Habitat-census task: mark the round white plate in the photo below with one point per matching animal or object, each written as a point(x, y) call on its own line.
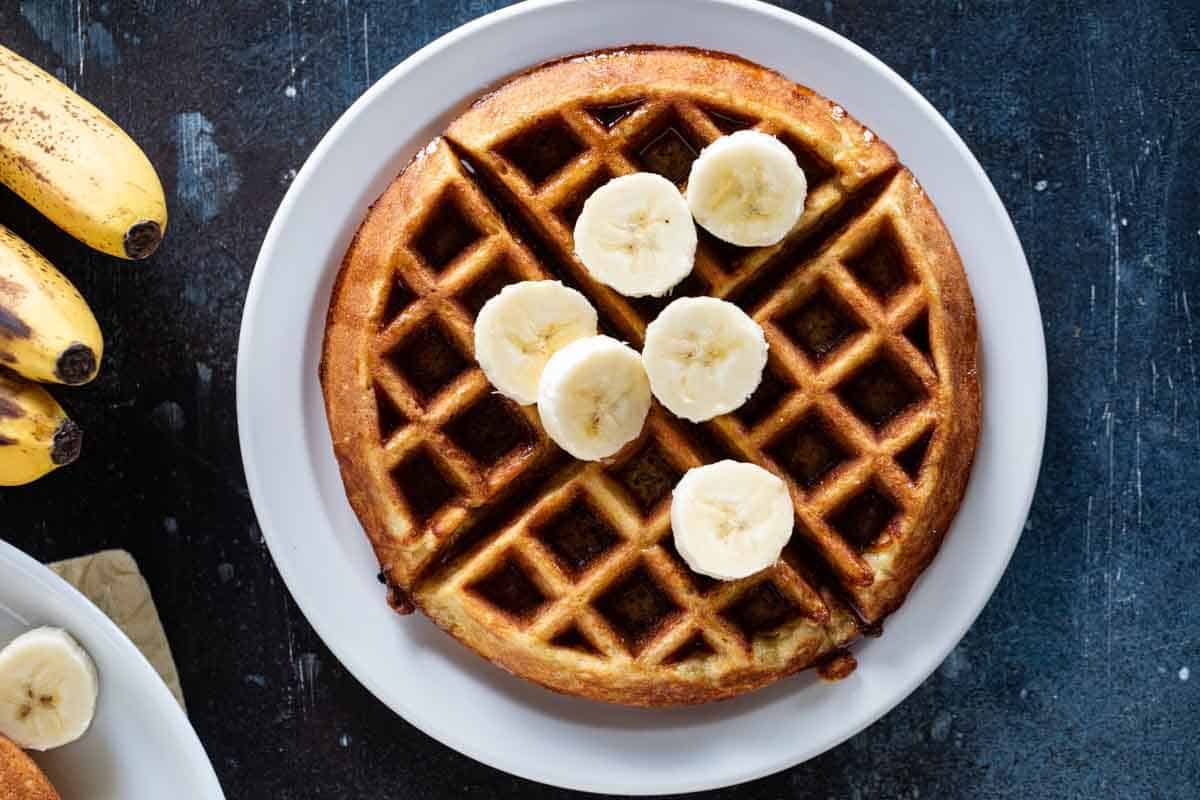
point(435, 683)
point(140, 746)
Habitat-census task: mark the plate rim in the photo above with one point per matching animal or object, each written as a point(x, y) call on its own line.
point(97, 623)
point(1038, 377)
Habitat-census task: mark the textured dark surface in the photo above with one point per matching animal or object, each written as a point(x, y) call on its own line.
point(1075, 681)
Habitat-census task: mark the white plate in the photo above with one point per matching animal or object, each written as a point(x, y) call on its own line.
point(140, 746)
point(435, 683)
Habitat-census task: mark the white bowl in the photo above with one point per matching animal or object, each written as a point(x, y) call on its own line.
point(140, 746)
point(435, 683)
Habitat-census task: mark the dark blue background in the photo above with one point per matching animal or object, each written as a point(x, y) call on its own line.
point(1074, 682)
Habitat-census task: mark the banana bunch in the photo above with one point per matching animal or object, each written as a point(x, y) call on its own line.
point(47, 333)
point(65, 158)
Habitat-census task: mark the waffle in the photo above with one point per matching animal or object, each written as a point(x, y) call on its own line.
point(564, 572)
point(20, 778)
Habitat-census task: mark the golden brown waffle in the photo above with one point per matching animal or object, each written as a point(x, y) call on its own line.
point(564, 572)
point(20, 778)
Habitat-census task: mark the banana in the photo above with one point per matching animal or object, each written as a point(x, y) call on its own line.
point(48, 689)
point(72, 163)
point(518, 330)
point(636, 234)
point(747, 188)
point(36, 437)
point(593, 397)
point(704, 356)
point(47, 331)
point(730, 519)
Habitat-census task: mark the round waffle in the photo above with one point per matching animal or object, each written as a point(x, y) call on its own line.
point(564, 572)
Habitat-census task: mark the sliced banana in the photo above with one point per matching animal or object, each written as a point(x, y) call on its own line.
point(636, 234)
point(704, 356)
point(594, 397)
point(518, 330)
point(48, 689)
point(730, 519)
point(747, 188)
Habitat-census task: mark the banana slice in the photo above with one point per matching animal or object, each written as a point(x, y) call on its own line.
point(747, 188)
point(518, 330)
point(730, 519)
point(48, 689)
point(636, 234)
point(704, 356)
point(594, 397)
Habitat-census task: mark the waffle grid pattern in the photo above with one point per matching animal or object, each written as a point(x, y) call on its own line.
point(583, 564)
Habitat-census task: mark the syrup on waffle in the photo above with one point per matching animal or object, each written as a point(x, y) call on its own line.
point(564, 572)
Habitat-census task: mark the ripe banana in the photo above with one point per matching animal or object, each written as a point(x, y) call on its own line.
point(72, 163)
point(747, 188)
point(636, 234)
point(48, 689)
point(593, 397)
point(518, 330)
point(36, 437)
point(704, 356)
point(47, 331)
point(730, 519)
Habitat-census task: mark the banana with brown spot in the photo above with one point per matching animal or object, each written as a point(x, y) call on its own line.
point(36, 437)
point(75, 165)
point(47, 331)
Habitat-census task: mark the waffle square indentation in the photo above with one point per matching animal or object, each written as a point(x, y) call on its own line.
point(578, 537)
point(917, 333)
point(669, 151)
point(766, 398)
point(399, 297)
point(446, 234)
point(390, 418)
point(882, 267)
point(760, 610)
point(427, 359)
point(574, 639)
point(700, 583)
point(423, 485)
point(912, 458)
point(637, 609)
point(727, 121)
point(728, 256)
point(648, 476)
point(696, 648)
point(542, 151)
point(862, 519)
point(488, 285)
point(609, 116)
point(881, 391)
point(491, 429)
point(809, 451)
point(816, 169)
point(511, 590)
point(821, 324)
point(569, 212)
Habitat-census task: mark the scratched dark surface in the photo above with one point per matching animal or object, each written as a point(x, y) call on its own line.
point(1075, 681)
